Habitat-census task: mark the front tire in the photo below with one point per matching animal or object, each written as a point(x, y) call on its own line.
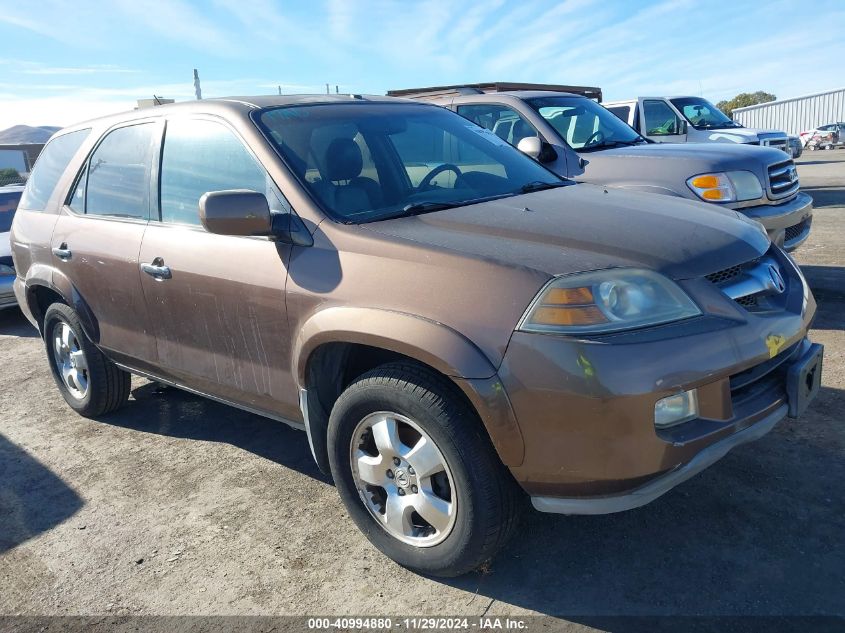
point(89, 382)
point(417, 473)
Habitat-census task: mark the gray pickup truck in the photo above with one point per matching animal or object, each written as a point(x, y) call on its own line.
point(577, 138)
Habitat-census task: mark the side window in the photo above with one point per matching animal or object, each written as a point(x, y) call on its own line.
point(504, 122)
point(201, 156)
point(660, 119)
point(49, 167)
point(622, 112)
point(118, 178)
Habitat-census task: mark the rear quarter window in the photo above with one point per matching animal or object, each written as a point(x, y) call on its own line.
point(49, 167)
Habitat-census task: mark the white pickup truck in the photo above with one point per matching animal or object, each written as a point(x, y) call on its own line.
point(690, 120)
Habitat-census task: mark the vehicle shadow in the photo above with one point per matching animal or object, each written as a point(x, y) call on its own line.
point(14, 323)
point(176, 413)
point(759, 533)
point(829, 196)
point(828, 286)
point(32, 499)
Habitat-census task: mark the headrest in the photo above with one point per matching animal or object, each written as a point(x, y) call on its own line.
point(343, 159)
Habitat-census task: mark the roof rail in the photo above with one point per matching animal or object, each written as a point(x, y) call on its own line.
point(469, 90)
point(435, 92)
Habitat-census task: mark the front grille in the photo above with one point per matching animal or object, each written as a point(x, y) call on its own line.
point(749, 301)
point(783, 180)
point(794, 232)
point(781, 144)
point(751, 284)
point(722, 276)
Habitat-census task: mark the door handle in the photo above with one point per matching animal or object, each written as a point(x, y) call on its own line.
point(62, 252)
point(157, 269)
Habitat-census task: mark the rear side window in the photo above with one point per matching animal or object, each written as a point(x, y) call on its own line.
point(117, 181)
point(49, 167)
point(201, 156)
point(623, 112)
point(8, 204)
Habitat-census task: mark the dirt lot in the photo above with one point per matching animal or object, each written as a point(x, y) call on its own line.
point(177, 505)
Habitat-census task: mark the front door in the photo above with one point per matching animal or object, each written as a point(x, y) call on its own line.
point(217, 302)
point(661, 123)
point(97, 237)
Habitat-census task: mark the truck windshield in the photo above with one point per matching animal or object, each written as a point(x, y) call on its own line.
point(584, 124)
point(364, 161)
point(702, 114)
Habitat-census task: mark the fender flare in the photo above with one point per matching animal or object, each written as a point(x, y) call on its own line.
point(43, 276)
point(430, 342)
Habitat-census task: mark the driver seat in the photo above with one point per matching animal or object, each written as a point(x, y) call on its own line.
point(346, 190)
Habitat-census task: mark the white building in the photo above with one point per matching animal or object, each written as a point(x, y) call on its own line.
point(795, 115)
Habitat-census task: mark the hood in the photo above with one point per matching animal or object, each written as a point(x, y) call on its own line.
point(739, 135)
point(704, 156)
point(585, 227)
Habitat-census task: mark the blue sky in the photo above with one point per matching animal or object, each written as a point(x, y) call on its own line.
point(63, 61)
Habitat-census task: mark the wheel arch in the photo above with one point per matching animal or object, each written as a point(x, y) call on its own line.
point(339, 344)
point(45, 286)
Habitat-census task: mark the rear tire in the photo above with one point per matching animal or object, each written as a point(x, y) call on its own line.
point(89, 382)
point(453, 520)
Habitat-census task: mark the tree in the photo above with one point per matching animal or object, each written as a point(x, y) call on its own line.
point(9, 175)
point(745, 99)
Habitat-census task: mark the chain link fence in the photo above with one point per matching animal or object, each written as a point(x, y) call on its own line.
point(11, 176)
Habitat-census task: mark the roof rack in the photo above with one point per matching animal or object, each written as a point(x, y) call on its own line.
point(434, 92)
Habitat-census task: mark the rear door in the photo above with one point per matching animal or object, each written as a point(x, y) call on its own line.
point(98, 234)
point(219, 311)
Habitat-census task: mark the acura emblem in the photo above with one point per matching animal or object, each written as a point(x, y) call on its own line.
point(776, 278)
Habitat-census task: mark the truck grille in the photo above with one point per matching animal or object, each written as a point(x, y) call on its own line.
point(778, 143)
point(783, 180)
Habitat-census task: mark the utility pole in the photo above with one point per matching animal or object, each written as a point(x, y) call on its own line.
point(197, 88)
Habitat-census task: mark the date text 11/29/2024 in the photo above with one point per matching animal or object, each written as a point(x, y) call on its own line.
point(418, 623)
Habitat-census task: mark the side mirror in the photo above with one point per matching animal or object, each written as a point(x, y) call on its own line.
point(683, 127)
point(236, 212)
point(531, 146)
point(539, 150)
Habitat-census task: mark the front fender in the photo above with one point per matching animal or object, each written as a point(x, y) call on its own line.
point(432, 343)
point(429, 342)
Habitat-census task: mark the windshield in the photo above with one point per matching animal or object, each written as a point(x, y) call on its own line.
point(8, 205)
point(584, 124)
point(702, 114)
point(371, 161)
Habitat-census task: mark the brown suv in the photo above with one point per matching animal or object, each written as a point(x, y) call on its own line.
point(453, 325)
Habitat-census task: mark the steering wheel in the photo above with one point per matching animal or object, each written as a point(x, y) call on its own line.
point(426, 184)
point(594, 139)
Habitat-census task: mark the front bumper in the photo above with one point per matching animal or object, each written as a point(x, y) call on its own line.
point(585, 408)
point(7, 292)
point(788, 224)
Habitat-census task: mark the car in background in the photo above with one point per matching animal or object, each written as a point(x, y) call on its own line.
point(796, 146)
point(824, 137)
point(577, 138)
point(9, 198)
point(690, 120)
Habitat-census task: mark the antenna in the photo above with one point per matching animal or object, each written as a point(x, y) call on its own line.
point(336, 91)
point(280, 90)
point(157, 100)
point(197, 89)
point(327, 88)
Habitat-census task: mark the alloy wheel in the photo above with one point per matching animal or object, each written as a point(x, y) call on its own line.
point(70, 360)
point(403, 479)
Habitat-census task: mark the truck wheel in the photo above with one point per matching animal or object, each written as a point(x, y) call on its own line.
point(417, 473)
point(89, 382)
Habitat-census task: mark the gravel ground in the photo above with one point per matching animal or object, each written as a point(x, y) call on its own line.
point(177, 505)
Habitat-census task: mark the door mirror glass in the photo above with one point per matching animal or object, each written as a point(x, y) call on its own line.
point(235, 212)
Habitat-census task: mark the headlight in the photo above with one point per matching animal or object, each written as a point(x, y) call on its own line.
point(6, 270)
point(607, 301)
point(730, 186)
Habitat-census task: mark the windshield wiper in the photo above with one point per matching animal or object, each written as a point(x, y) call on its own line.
point(539, 185)
point(611, 144)
point(424, 207)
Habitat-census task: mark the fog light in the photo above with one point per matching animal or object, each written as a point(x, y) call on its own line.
point(676, 409)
